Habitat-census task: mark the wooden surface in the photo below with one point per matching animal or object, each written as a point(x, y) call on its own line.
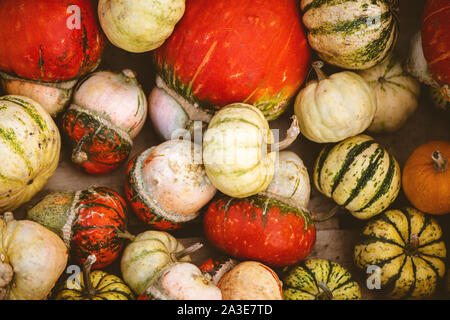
point(335, 238)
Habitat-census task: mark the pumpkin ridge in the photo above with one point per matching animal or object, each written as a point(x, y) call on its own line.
point(288, 287)
point(413, 286)
point(342, 284)
point(10, 137)
point(436, 271)
point(386, 219)
point(29, 109)
point(96, 286)
point(431, 242)
point(323, 156)
point(443, 259)
point(370, 238)
point(390, 283)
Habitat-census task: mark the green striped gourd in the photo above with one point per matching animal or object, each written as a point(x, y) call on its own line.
point(318, 279)
point(238, 150)
point(407, 245)
point(358, 174)
point(352, 34)
point(29, 150)
point(397, 94)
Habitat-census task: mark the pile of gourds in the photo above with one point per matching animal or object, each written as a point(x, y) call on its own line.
point(224, 70)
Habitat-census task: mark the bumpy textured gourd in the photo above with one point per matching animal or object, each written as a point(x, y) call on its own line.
point(408, 247)
point(351, 34)
point(29, 150)
point(319, 279)
point(358, 174)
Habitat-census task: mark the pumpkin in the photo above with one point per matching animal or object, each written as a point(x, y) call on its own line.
point(238, 150)
point(139, 26)
point(90, 221)
point(426, 177)
point(108, 110)
point(439, 100)
point(251, 280)
point(228, 51)
point(183, 281)
point(261, 228)
point(358, 174)
point(32, 259)
point(407, 245)
point(335, 108)
point(319, 279)
point(352, 34)
point(148, 254)
point(397, 94)
point(97, 285)
point(291, 179)
point(29, 150)
point(167, 186)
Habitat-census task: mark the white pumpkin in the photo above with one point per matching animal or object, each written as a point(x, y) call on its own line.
point(29, 150)
point(139, 25)
point(291, 179)
point(397, 94)
point(32, 258)
point(335, 108)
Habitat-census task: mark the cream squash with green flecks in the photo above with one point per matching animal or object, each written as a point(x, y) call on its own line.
point(407, 245)
point(29, 150)
point(397, 94)
point(359, 175)
point(318, 279)
point(352, 34)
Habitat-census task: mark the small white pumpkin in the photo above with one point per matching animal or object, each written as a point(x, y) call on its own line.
point(291, 179)
point(29, 150)
point(397, 94)
point(335, 108)
point(139, 25)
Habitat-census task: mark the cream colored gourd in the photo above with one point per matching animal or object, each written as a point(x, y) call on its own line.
point(32, 259)
point(397, 94)
point(291, 179)
point(139, 25)
point(335, 108)
point(29, 150)
point(238, 150)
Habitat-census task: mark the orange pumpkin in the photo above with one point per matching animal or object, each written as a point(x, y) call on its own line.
point(426, 177)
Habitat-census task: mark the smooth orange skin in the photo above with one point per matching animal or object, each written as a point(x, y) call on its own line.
point(427, 189)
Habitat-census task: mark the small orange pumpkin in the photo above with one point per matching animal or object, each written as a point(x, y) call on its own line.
point(426, 177)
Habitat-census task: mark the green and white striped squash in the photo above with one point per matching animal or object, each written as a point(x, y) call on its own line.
point(358, 174)
point(352, 34)
point(234, 154)
point(319, 279)
point(29, 150)
point(408, 248)
point(397, 94)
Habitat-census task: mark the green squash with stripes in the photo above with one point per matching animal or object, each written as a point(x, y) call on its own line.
point(359, 175)
point(30, 146)
point(319, 279)
point(407, 247)
point(352, 34)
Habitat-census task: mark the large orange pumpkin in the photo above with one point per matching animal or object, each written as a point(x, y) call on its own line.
point(426, 177)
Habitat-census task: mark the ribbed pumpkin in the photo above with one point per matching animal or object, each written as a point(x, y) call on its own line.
point(167, 185)
point(32, 258)
point(397, 94)
point(238, 150)
point(229, 51)
point(260, 228)
point(89, 221)
point(358, 174)
point(335, 108)
point(319, 279)
point(145, 257)
point(426, 177)
point(29, 150)
point(407, 245)
point(352, 34)
point(97, 285)
point(108, 110)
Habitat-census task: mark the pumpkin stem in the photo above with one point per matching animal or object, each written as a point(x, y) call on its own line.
point(129, 74)
point(318, 65)
point(124, 234)
point(90, 290)
point(183, 253)
point(327, 216)
point(79, 156)
point(292, 134)
point(326, 294)
point(413, 245)
point(440, 163)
